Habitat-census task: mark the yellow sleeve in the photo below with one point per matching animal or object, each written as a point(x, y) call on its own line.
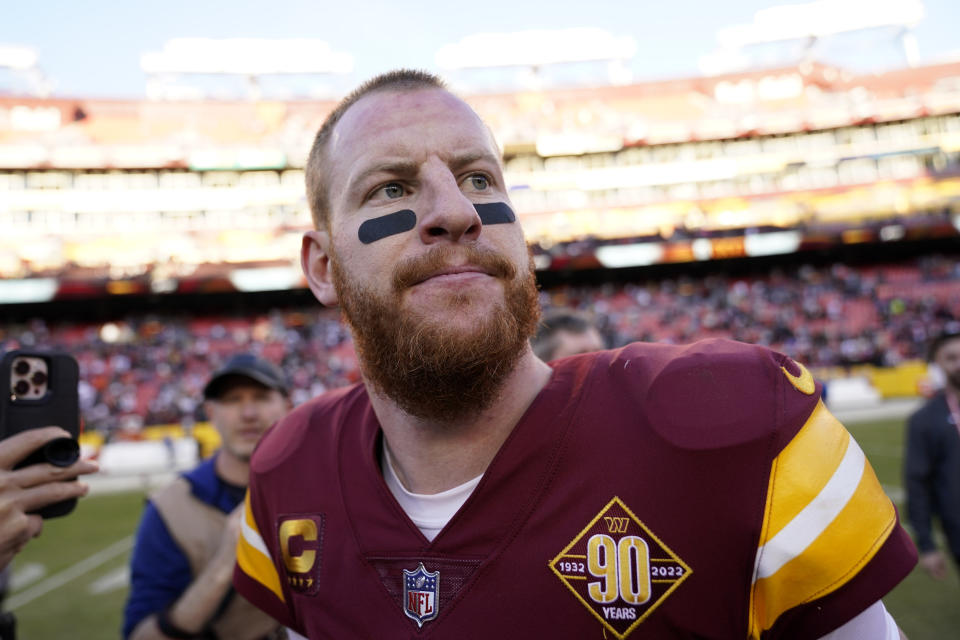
point(825, 518)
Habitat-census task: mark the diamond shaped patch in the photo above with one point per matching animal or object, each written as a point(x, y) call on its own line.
point(619, 569)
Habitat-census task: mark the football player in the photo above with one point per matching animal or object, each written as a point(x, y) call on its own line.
point(466, 489)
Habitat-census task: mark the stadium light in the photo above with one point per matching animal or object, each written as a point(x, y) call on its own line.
point(534, 48)
point(246, 56)
point(639, 254)
point(773, 243)
point(28, 290)
point(266, 278)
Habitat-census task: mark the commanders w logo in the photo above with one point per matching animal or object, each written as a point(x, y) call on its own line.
point(616, 525)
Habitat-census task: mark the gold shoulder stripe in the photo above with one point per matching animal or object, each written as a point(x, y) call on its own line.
point(253, 557)
point(820, 531)
point(804, 468)
point(804, 382)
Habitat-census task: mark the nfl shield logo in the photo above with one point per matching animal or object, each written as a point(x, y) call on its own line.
point(421, 590)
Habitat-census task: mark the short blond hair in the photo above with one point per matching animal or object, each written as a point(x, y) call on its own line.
point(318, 196)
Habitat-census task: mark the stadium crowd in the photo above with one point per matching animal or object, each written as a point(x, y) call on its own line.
point(837, 315)
point(150, 369)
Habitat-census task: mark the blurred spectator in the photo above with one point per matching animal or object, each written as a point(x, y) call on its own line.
point(185, 549)
point(565, 333)
point(149, 369)
point(932, 461)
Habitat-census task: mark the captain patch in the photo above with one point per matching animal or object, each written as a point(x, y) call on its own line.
point(301, 540)
point(619, 569)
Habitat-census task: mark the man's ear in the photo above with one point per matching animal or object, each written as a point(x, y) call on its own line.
point(315, 262)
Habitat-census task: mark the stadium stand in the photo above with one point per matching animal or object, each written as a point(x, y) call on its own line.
point(115, 206)
point(149, 369)
point(117, 197)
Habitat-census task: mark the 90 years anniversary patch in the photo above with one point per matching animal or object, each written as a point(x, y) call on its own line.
point(619, 569)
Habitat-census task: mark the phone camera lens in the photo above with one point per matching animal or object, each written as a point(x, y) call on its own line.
point(21, 368)
point(39, 378)
point(21, 388)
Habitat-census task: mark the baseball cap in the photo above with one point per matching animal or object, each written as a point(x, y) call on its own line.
point(248, 366)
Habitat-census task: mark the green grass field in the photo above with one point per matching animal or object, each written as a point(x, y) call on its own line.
point(80, 603)
point(81, 592)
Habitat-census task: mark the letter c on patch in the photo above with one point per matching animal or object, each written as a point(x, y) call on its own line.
point(305, 529)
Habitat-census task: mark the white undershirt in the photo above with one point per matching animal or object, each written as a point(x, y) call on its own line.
point(432, 512)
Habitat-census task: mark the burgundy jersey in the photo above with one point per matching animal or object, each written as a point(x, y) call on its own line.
point(654, 491)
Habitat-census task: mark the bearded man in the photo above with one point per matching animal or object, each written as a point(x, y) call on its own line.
point(466, 489)
point(932, 460)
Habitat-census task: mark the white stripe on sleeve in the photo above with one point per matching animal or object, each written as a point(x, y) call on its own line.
point(806, 526)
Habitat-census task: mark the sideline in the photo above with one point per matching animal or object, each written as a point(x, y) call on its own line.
point(103, 483)
point(892, 409)
point(57, 580)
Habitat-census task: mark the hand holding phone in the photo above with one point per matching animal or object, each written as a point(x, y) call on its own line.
point(26, 491)
point(38, 390)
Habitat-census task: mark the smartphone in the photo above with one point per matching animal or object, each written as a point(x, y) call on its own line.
point(39, 389)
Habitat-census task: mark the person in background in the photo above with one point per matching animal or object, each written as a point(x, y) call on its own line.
point(932, 460)
point(467, 489)
point(185, 546)
point(563, 333)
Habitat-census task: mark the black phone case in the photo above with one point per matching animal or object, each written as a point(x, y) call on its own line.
point(59, 407)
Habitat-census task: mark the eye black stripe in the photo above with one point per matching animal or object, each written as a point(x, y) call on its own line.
point(388, 225)
point(405, 220)
point(495, 213)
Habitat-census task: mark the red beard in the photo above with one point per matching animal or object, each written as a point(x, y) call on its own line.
point(430, 371)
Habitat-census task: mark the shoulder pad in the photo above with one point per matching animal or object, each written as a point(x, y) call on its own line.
point(719, 393)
